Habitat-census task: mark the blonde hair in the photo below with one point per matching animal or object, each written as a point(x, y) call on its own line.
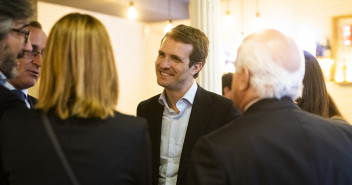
point(79, 76)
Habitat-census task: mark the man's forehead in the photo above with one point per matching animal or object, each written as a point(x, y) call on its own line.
point(37, 36)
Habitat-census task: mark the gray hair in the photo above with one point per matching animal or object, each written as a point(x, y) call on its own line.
point(11, 10)
point(270, 74)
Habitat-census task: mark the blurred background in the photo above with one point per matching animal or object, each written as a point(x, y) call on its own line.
point(322, 27)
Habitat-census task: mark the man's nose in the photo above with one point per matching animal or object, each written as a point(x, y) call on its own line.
point(38, 60)
point(165, 63)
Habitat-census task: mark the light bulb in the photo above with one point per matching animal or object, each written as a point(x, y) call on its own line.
point(168, 26)
point(228, 22)
point(132, 13)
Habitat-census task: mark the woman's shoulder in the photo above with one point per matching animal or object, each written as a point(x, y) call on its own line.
point(124, 120)
point(118, 116)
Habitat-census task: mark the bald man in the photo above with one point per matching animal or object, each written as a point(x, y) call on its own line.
point(29, 65)
point(275, 142)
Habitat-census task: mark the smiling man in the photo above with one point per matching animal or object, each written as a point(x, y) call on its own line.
point(184, 111)
point(29, 64)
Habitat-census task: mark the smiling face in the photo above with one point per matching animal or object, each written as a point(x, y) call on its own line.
point(172, 66)
point(29, 66)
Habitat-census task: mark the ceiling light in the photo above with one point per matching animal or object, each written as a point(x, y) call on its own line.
point(168, 26)
point(228, 22)
point(132, 13)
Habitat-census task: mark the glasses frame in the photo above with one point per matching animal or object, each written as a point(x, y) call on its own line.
point(32, 54)
point(22, 31)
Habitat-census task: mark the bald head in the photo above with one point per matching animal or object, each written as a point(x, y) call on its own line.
point(281, 48)
point(274, 62)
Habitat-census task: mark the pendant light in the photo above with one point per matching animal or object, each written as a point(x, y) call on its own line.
point(132, 13)
point(168, 26)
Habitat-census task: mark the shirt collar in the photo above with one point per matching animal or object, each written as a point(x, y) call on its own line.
point(11, 87)
point(251, 103)
point(189, 96)
point(2, 76)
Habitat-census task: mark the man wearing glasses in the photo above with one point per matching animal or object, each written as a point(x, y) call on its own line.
point(29, 63)
point(13, 40)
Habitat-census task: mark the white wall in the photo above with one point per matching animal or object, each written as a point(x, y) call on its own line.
point(128, 44)
point(307, 21)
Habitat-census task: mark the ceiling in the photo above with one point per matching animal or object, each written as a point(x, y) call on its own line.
point(148, 10)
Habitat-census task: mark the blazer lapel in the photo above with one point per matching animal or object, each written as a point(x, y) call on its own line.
point(32, 101)
point(201, 111)
point(156, 115)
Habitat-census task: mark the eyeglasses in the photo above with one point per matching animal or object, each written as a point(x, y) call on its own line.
point(22, 31)
point(32, 54)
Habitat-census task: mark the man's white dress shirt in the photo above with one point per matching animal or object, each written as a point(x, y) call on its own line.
point(173, 131)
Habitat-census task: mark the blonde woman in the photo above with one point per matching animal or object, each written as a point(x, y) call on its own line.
point(78, 94)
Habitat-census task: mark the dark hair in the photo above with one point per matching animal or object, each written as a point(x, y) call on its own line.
point(35, 24)
point(193, 36)
point(11, 10)
point(333, 110)
point(226, 81)
point(16, 9)
point(315, 96)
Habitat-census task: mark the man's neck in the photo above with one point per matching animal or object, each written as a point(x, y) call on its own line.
point(248, 99)
point(173, 96)
point(13, 83)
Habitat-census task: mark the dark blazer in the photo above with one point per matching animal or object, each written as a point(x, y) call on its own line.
point(9, 100)
point(32, 101)
point(107, 152)
point(275, 143)
point(209, 112)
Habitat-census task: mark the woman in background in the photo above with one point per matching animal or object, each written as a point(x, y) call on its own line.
point(78, 93)
point(315, 98)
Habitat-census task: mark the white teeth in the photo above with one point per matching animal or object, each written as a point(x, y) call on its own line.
point(164, 74)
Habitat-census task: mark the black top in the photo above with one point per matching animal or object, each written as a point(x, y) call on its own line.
point(105, 152)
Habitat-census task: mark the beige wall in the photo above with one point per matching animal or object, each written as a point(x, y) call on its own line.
point(308, 21)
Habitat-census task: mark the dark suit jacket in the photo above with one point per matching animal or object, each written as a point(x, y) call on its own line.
point(275, 142)
point(9, 100)
point(209, 112)
point(107, 152)
point(32, 101)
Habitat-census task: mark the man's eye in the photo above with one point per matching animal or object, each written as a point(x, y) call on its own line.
point(161, 54)
point(176, 59)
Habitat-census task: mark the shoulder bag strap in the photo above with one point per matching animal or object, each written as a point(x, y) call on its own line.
point(49, 130)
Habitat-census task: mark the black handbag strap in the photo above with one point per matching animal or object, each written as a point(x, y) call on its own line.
point(49, 130)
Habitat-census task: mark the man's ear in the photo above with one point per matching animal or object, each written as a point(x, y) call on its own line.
point(244, 79)
point(197, 67)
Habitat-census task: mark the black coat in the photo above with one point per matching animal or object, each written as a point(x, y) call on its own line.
point(275, 143)
point(9, 100)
